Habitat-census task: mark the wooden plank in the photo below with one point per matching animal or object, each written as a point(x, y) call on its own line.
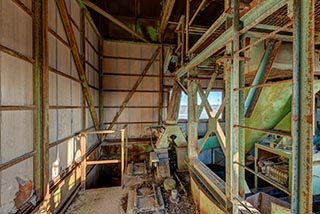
point(134, 88)
point(77, 59)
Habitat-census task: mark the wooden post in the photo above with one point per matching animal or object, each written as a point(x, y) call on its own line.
point(41, 98)
point(83, 161)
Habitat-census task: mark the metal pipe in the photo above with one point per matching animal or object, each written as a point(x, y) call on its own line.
point(262, 85)
point(282, 134)
point(266, 37)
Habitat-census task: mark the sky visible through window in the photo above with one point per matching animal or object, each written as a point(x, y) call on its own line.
point(214, 98)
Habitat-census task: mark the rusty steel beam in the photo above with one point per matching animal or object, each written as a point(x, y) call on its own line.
point(249, 20)
point(266, 70)
point(77, 59)
point(114, 20)
point(166, 13)
point(41, 98)
point(134, 88)
point(302, 105)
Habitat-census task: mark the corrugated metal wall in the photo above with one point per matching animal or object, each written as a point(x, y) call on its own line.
point(68, 114)
point(122, 65)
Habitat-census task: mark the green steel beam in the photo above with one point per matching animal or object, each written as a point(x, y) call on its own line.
point(302, 106)
point(77, 59)
point(253, 17)
point(41, 98)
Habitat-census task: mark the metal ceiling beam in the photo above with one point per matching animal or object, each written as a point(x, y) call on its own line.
point(77, 59)
point(114, 20)
point(134, 88)
point(167, 10)
point(249, 20)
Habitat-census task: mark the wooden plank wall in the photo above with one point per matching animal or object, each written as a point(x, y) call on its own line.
point(68, 114)
point(123, 62)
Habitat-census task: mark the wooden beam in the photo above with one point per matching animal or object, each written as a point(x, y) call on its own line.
point(197, 12)
point(41, 98)
point(77, 59)
point(165, 18)
point(114, 20)
point(134, 88)
point(265, 74)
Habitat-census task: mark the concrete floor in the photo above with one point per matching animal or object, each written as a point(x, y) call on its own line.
point(97, 201)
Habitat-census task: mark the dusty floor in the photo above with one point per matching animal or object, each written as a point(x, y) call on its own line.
point(97, 201)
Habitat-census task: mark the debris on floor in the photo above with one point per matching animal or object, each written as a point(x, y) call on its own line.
point(97, 201)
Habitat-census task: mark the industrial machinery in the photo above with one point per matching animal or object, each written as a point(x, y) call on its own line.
point(273, 160)
point(169, 137)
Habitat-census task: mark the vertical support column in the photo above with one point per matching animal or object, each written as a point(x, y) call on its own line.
point(192, 119)
point(101, 114)
point(229, 110)
point(83, 161)
point(160, 116)
point(187, 25)
point(241, 132)
point(302, 105)
point(234, 153)
point(41, 97)
point(83, 49)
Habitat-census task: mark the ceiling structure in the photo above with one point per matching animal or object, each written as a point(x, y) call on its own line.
point(144, 17)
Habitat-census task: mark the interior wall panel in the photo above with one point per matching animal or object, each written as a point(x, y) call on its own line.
point(122, 65)
point(16, 90)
